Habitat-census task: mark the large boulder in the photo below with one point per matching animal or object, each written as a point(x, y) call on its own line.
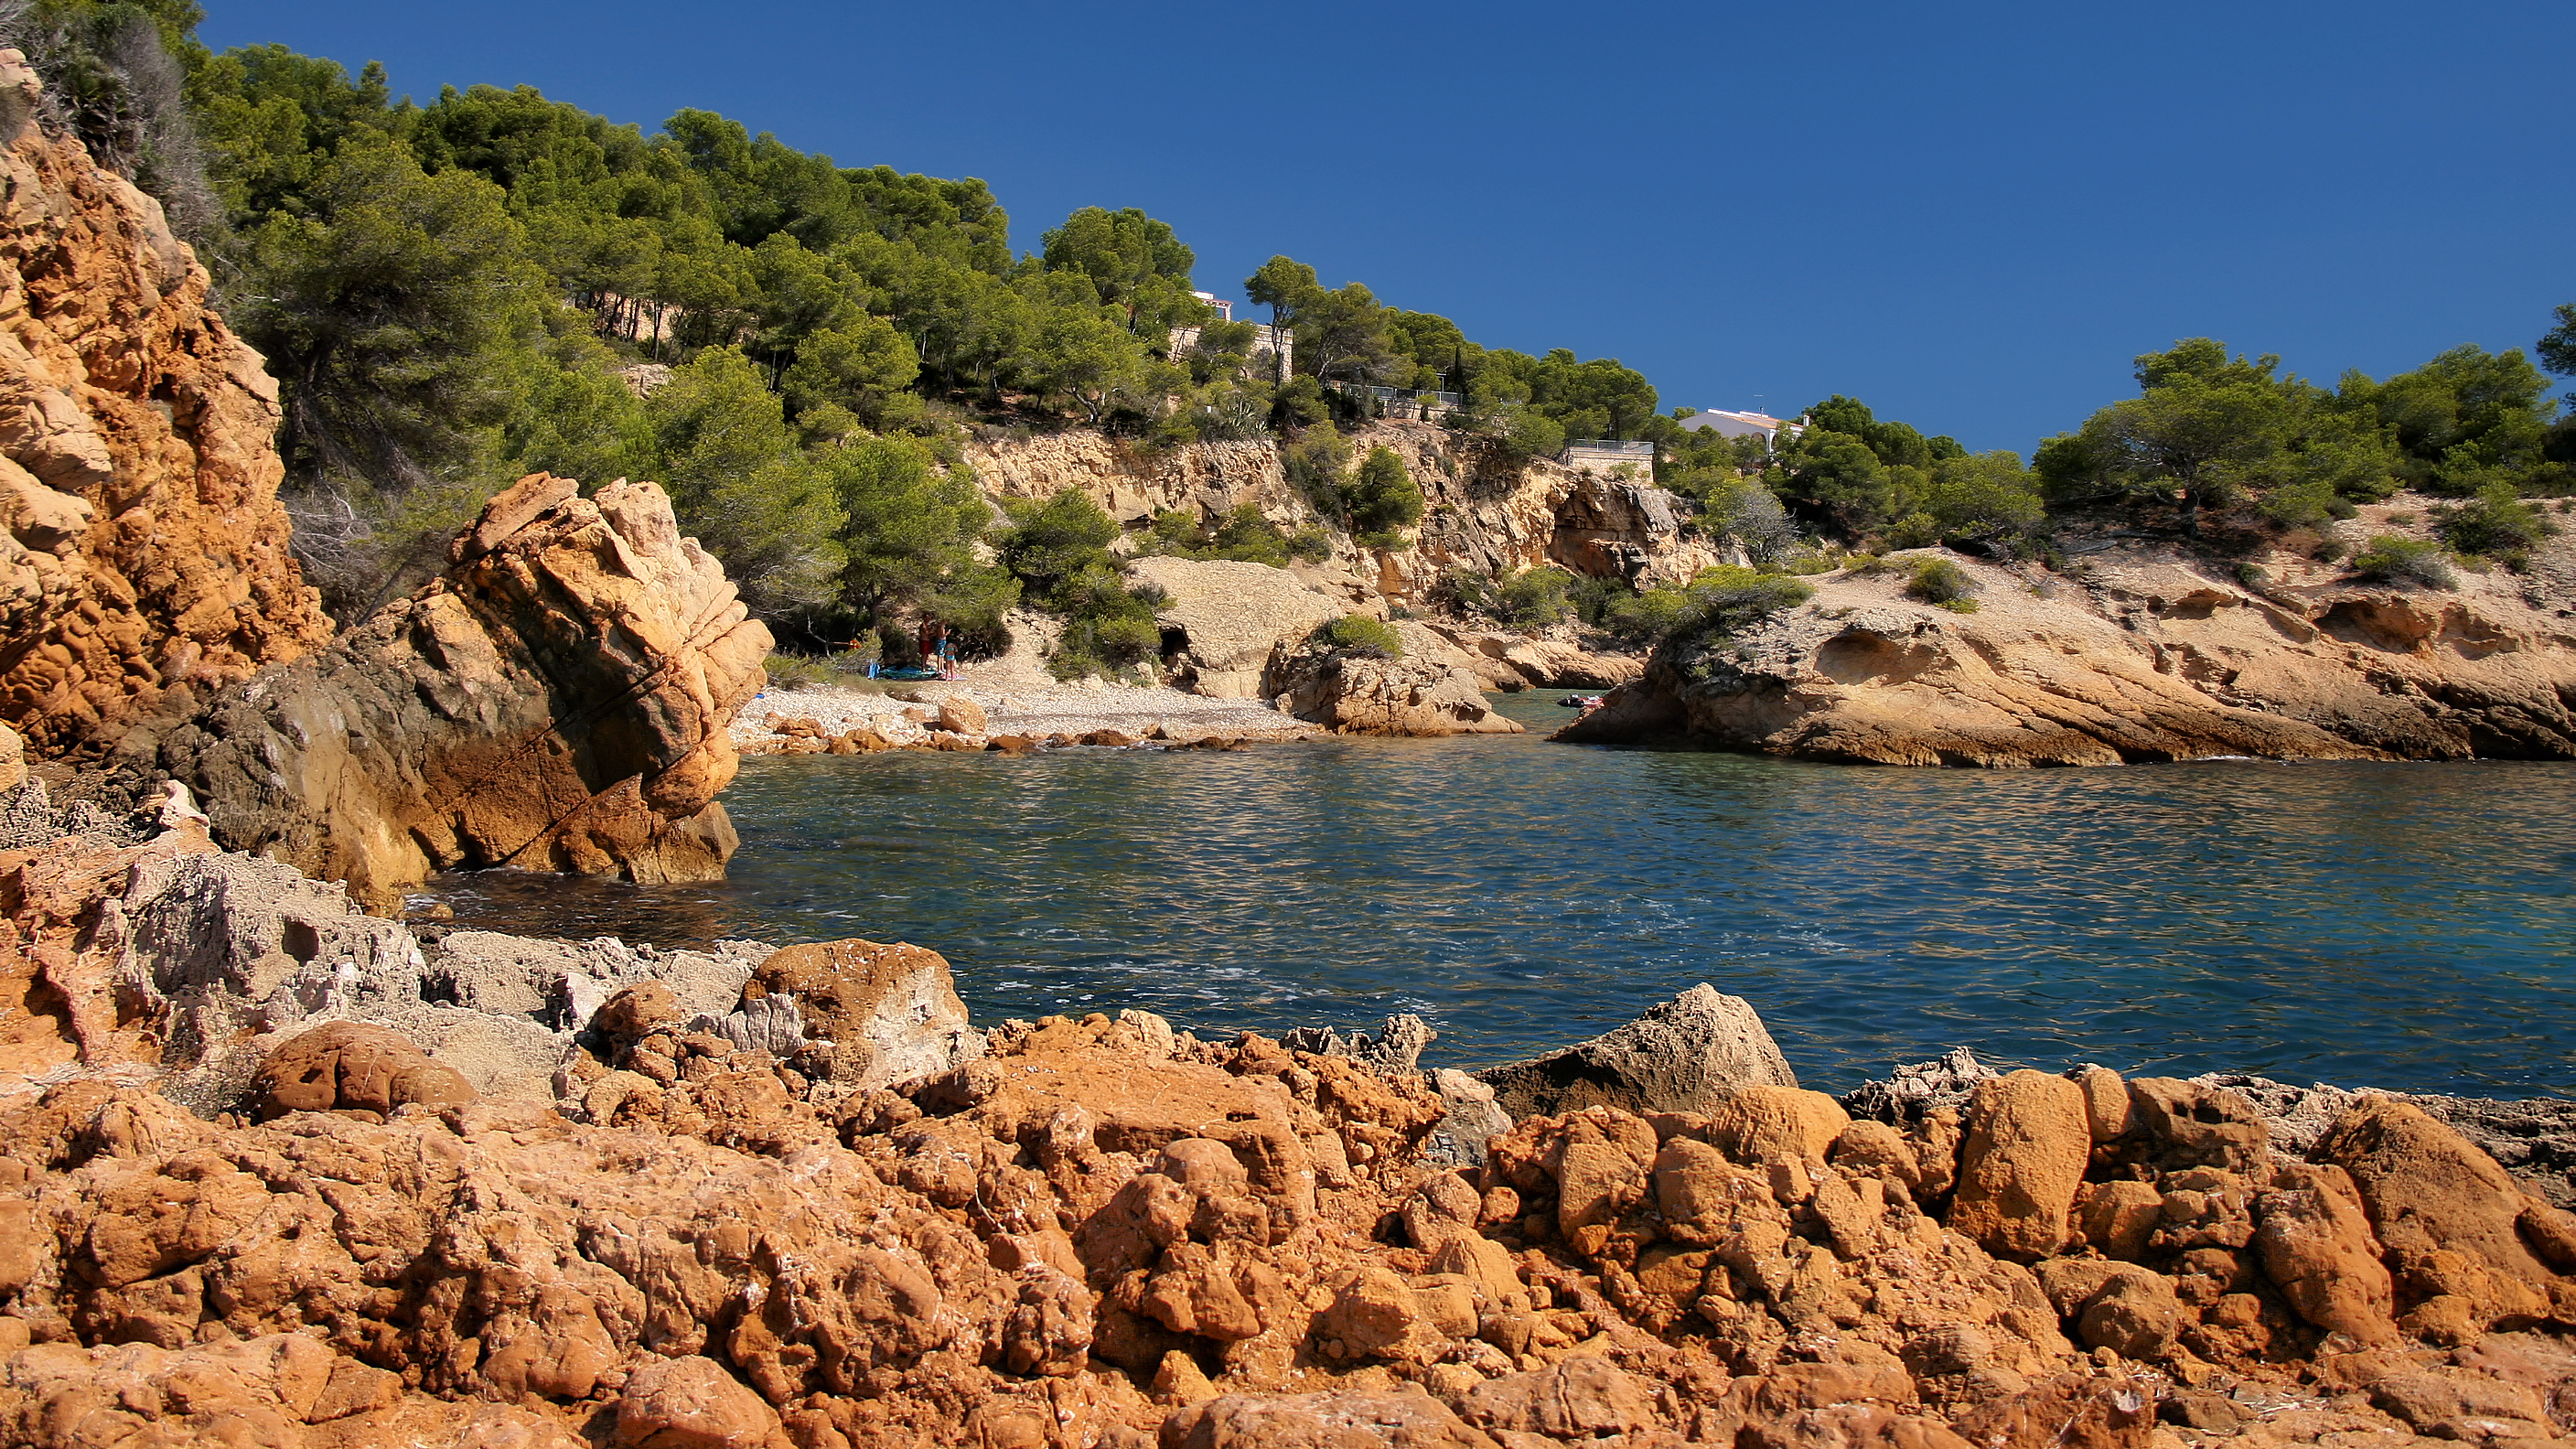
point(889, 1012)
point(144, 553)
point(197, 964)
point(1685, 1055)
point(349, 1065)
point(2028, 1142)
point(1430, 690)
point(1229, 617)
point(561, 700)
point(2460, 1233)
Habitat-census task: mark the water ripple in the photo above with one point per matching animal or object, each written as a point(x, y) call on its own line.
point(2401, 925)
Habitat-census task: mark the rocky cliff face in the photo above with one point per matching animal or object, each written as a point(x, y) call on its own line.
point(560, 700)
point(1483, 510)
point(144, 550)
point(2139, 657)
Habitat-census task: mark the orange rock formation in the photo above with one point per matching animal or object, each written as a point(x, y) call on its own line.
point(145, 548)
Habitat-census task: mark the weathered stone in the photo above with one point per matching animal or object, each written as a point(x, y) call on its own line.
point(144, 554)
point(2177, 1124)
point(690, 1402)
point(1423, 693)
point(2152, 660)
point(561, 701)
point(347, 1064)
point(1321, 1421)
point(1681, 1056)
point(2027, 1145)
point(2448, 1216)
point(1230, 617)
point(2318, 1249)
point(1761, 1123)
point(890, 1012)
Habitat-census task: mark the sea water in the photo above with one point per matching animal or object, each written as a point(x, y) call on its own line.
point(2408, 926)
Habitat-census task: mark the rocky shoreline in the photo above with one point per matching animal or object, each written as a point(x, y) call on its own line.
point(2140, 653)
point(279, 1171)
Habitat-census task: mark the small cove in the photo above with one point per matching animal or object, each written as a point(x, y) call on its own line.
point(2410, 926)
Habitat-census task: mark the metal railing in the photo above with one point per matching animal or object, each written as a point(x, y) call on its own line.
point(1625, 448)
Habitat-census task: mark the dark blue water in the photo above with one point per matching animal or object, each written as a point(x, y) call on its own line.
point(2406, 926)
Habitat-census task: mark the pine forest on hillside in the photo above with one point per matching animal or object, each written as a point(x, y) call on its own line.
point(453, 294)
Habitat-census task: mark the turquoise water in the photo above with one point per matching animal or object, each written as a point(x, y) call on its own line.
point(2407, 926)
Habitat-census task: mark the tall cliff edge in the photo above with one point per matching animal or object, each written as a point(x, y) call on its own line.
point(145, 548)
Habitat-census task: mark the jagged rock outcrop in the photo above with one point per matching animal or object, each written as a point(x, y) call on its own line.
point(2142, 659)
point(1107, 1234)
point(1103, 1232)
point(561, 700)
point(1429, 691)
point(173, 960)
point(145, 552)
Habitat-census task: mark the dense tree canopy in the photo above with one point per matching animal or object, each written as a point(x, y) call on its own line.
point(457, 292)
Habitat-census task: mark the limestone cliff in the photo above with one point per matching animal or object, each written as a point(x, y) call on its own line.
point(145, 549)
point(560, 700)
point(2139, 655)
point(1483, 510)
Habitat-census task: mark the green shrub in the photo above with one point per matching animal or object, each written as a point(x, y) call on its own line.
point(2394, 560)
point(796, 671)
point(1361, 636)
point(1315, 464)
point(1914, 530)
point(1383, 496)
point(1310, 545)
point(1534, 435)
point(2304, 505)
point(1596, 600)
point(1521, 599)
point(1937, 580)
point(1959, 606)
point(2496, 522)
point(1723, 600)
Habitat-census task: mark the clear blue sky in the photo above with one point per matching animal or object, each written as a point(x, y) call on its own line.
point(1971, 216)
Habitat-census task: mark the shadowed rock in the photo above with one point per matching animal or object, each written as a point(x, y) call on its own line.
point(560, 701)
point(1682, 1056)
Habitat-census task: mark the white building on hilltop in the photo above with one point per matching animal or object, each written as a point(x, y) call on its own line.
point(1738, 425)
point(1274, 349)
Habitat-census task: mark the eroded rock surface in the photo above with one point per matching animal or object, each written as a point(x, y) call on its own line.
point(1102, 1232)
point(2143, 658)
point(1430, 691)
point(1681, 1056)
point(144, 551)
point(561, 700)
point(1485, 510)
point(1230, 619)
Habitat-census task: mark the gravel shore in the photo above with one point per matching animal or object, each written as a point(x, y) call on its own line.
point(1015, 708)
